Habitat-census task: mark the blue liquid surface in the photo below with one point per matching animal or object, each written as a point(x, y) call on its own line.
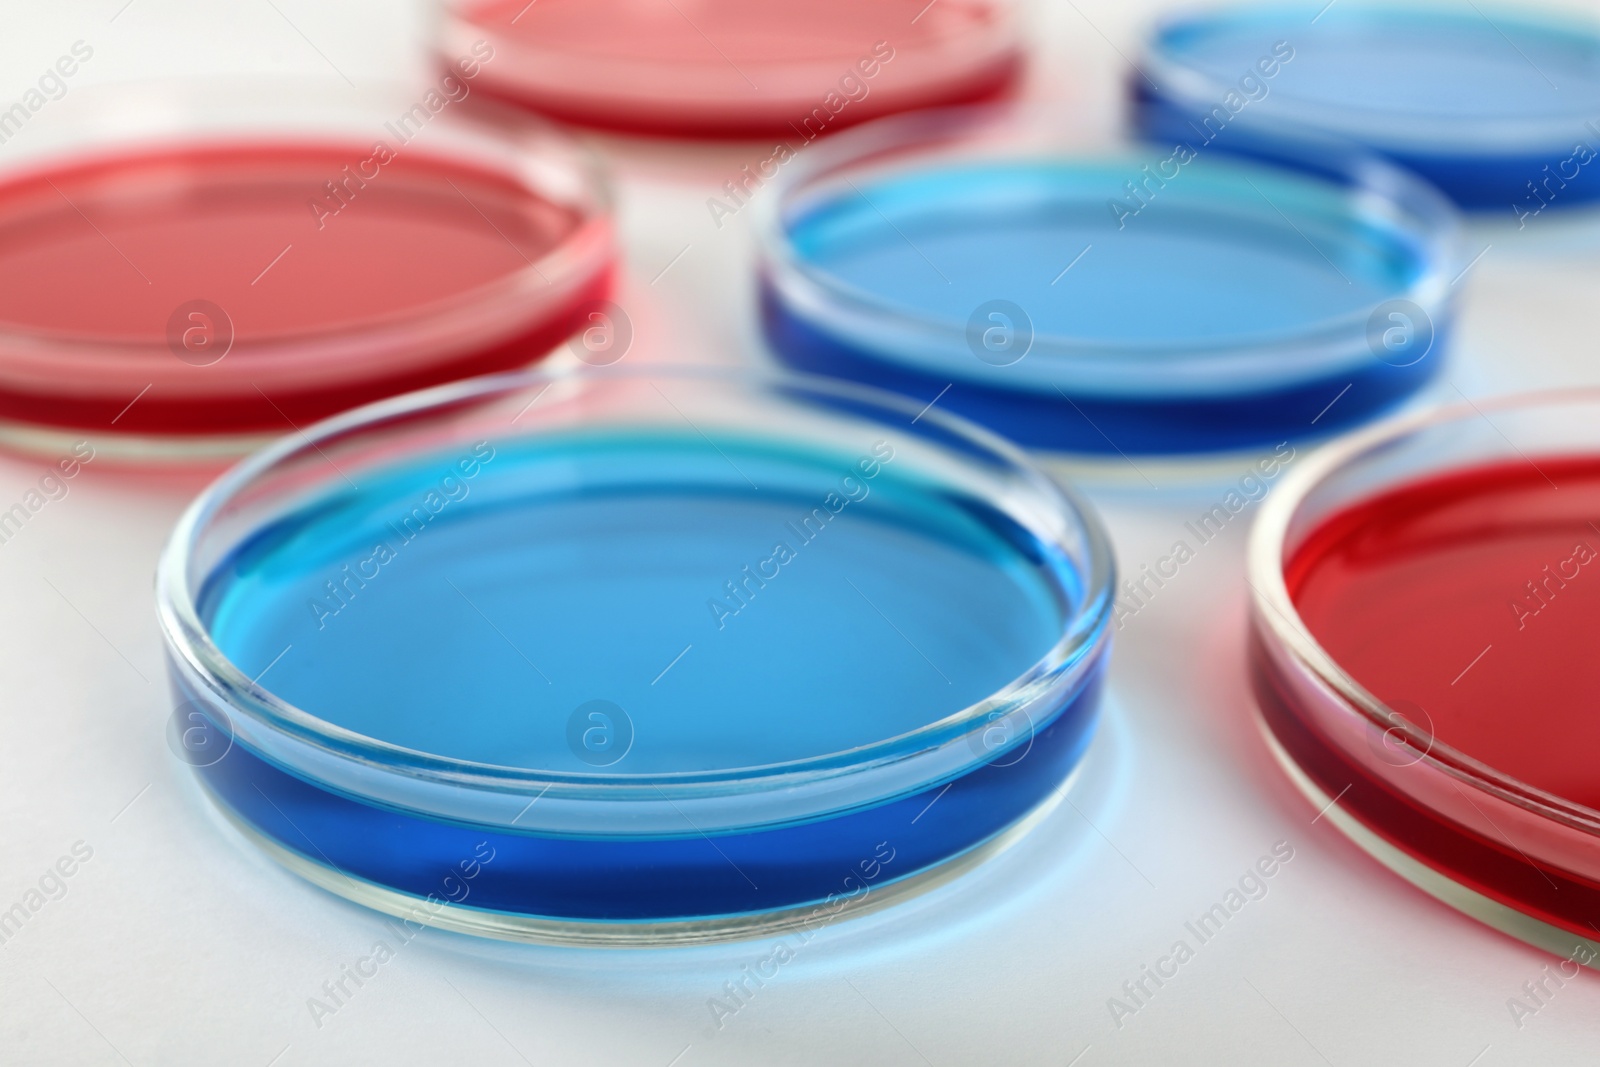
point(1223, 253)
point(533, 594)
point(1418, 86)
point(1185, 267)
point(1449, 65)
point(559, 574)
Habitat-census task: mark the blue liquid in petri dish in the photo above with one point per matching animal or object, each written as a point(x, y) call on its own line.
point(1489, 106)
point(560, 576)
point(1224, 254)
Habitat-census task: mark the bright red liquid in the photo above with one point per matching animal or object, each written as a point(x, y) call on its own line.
point(104, 253)
point(742, 66)
point(1423, 595)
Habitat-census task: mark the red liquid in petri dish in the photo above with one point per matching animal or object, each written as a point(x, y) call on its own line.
point(738, 67)
point(1474, 597)
point(1469, 604)
point(421, 272)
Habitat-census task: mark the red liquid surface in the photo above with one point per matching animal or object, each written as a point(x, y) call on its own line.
point(1423, 595)
point(742, 66)
point(105, 253)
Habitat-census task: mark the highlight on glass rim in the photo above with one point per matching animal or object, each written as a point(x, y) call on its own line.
point(719, 531)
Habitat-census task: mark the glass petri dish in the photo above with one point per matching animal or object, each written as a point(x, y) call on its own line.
point(623, 659)
point(736, 67)
point(1423, 617)
point(1495, 107)
point(188, 269)
point(1084, 293)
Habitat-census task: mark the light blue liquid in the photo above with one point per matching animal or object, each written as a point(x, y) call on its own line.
point(1200, 256)
point(1492, 106)
point(1417, 63)
point(589, 569)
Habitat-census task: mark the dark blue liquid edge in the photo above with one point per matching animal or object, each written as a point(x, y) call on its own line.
point(654, 879)
point(1111, 426)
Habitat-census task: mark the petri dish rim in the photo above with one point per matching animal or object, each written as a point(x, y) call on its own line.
point(175, 114)
point(1383, 126)
point(56, 385)
point(1274, 614)
point(186, 636)
point(1261, 354)
point(989, 64)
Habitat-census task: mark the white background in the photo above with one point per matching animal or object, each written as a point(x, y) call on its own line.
point(176, 944)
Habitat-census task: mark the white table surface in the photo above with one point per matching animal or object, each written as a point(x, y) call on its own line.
point(176, 944)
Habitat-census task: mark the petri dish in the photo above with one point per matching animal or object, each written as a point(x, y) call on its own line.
point(1494, 107)
point(188, 269)
point(634, 659)
point(1423, 613)
point(736, 67)
point(1085, 293)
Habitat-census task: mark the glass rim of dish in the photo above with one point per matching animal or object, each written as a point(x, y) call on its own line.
point(897, 140)
point(1085, 630)
point(101, 124)
point(1275, 618)
point(1392, 128)
point(789, 81)
point(470, 11)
